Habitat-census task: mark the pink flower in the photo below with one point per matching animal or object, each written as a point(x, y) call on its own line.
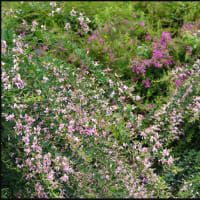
point(27, 151)
point(3, 43)
point(22, 35)
point(158, 65)
point(73, 12)
point(189, 27)
point(85, 27)
point(10, 117)
point(126, 21)
point(53, 4)
point(165, 37)
point(150, 106)
point(162, 160)
point(198, 24)
point(165, 153)
point(18, 126)
point(34, 23)
point(189, 50)
point(28, 162)
point(90, 132)
point(101, 41)
point(50, 177)
point(81, 19)
point(64, 178)
point(134, 15)
point(38, 92)
point(146, 82)
point(26, 140)
point(67, 26)
point(70, 129)
point(38, 164)
point(61, 127)
point(148, 37)
point(170, 161)
point(141, 23)
point(105, 49)
point(45, 79)
point(178, 83)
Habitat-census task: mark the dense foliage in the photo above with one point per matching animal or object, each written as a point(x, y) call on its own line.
point(100, 99)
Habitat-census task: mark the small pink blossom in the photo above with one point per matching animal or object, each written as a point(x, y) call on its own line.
point(3, 42)
point(126, 21)
point(134, 15)
point(189, 50)
point(85, 27)
point(27, 151)
point(34, 23)
point(38, 92)
point(10, 117)
point(61, 126)
point(178, 83)
point(81, 19)
point(165, 37)
point(64, 178)
point(150, 106)
point(141, 23)
point(53, 4)
point(45, 79)
point(50, 177)
point(73, 12)
point(148, 37)
point(170, 161)
point(67, 26)
point(146, 82)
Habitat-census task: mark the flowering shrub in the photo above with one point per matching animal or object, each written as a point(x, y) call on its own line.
point(57, 145)
point(73, 127)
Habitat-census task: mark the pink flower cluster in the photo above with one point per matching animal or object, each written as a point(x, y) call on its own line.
point(160, 57)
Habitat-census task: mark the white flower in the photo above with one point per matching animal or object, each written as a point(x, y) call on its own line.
point(88, 20)
point(53, 4)
point(33, 30)
point(136, 98)
point(81, 19)
point(133, 107)
point(67, 26)
point(52, 13)
point(95, 63)
point(45, 79)
point(43, 27)
point(58, 10)
point(76, 139)
point(38, 92)
point(117, 75)
point(112, 94)
point(73, 12)
point(165, 153)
